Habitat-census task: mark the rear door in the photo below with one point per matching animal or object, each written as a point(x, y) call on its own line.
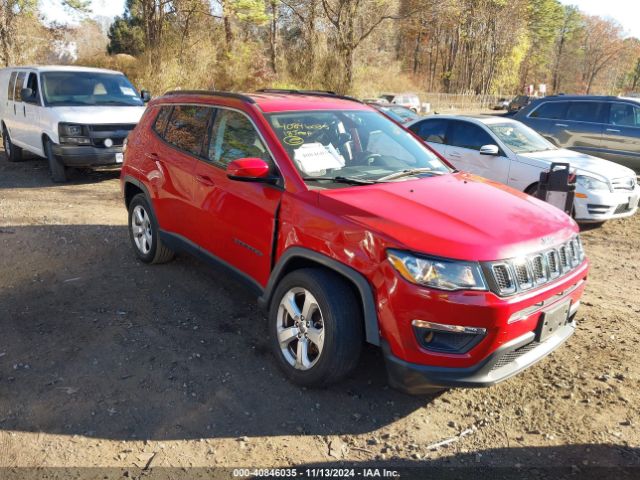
point(622, 134)
point(182, 129)
point(15, 120)
point(584, 126)
point(237, 219)
point(434, 132)
point(465, 140)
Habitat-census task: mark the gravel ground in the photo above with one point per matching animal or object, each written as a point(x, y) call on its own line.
point(106, 362)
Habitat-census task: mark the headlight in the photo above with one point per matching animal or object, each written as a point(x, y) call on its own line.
point(590, 183)
point(437, 273)
point(70, 130)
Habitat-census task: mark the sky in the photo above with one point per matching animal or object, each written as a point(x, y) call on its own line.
point(626, 12)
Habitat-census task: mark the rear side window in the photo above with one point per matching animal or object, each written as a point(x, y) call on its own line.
point(551, 110)
point(584, 111)
point(160, 125)
point(624, 114)
point(467, 135)
point(434, 131)
point(187, 127)
point(12, 85)
point(17, 92)
point(234, 137)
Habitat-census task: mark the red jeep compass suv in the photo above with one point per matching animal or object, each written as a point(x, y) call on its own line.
point(350, 229)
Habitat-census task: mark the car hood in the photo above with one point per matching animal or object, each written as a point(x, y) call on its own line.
point(99, 115)
point(457, 216)
point(586, 163)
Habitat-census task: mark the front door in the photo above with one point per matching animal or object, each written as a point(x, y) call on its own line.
point(237, 219)
point(31, 110)
point(464, 142)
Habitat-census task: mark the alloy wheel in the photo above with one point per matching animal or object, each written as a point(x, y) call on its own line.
point(141, 229)
point(300, 328)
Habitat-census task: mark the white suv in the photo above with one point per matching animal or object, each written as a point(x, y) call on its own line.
point(72, 116)
point(509, 152)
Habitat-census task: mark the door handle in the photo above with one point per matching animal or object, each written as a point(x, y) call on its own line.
point(205, 180)
point(152, 155)
point(613, 130)
point(455, 155)
point(14, 109)
point(561, 125)
point(24, 110)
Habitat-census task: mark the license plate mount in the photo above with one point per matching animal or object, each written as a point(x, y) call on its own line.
point(551, 321)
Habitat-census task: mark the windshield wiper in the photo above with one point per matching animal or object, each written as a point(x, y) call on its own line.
point(408, 173)
point(347, 180)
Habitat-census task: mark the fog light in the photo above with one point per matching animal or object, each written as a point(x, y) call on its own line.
point(108, 143)
point(445, 338)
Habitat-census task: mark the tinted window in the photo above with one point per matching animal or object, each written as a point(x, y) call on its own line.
point(12, 85)
point(624, 114)
point(187, 127)
point(467, 135)
point(432, 130)
point(32, 83)
point(234, 137)
point(162, 119)
point(584, 111)
point(17, 92)
point(551, 110)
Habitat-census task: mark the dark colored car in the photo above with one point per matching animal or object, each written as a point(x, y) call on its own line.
point(519, 103)
point(606, 127)
point(350, 229)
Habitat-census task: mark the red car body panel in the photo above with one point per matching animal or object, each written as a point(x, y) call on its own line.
point(456, 216)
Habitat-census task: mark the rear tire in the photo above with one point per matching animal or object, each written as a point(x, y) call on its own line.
point(13, 153)
point(144, 232)
point(316, 327)
point(56, 167)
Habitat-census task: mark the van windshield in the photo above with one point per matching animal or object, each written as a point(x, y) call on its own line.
point(358, 145)
point(88, 89)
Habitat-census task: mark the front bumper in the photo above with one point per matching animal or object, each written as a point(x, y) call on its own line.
point(87, 156)
point(510, 359)
point(599, 207)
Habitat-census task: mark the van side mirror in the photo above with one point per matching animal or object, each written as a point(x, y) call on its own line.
point(145, 96)
point(490, 150)
point(28, 95)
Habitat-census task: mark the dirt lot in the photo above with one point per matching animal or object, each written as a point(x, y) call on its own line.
point(107, 362)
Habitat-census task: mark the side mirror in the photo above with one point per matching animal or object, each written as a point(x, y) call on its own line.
point(490, 150)
point(249, 170)
point(145, 96)
point(27, 95)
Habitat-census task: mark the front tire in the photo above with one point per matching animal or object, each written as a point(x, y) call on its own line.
point(56, 167)
point(13, 153)
point(144, 232)
point(315, 327)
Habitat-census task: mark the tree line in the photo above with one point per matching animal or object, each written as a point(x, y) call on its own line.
point(360, 47)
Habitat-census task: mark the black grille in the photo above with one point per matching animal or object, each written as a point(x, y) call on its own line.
point(115, 127)
point(539, 273)
point(622, 208)
point(508, 357)
point(552, 260)
point(522, 274)
point(503, 279)
point(563, 257)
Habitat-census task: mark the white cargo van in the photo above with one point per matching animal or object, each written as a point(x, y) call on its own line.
point(72, 116)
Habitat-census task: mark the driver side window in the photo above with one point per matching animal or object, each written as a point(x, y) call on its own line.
point(467, 135)
point(233, 137)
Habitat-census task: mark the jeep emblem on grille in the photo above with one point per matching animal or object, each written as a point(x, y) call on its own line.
point(546, 240)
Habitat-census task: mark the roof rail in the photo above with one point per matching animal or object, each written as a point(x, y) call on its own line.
point(319, 93)
point(212, 93)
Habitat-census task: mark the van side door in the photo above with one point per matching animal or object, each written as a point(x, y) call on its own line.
point(32, 110)
point(18, 123)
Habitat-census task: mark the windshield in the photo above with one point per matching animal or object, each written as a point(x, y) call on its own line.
point(88, 89)
point(363, 145)
point(520, 138)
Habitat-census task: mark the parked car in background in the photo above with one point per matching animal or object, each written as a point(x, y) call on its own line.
point(501, 104)
point(350, 229)
point(408, 100)
point(396, 112)
point(607, 127)
point(519, 103)
point(72, 116)
point(509, 152)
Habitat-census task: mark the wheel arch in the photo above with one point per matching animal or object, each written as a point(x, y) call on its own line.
point(297, 257)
